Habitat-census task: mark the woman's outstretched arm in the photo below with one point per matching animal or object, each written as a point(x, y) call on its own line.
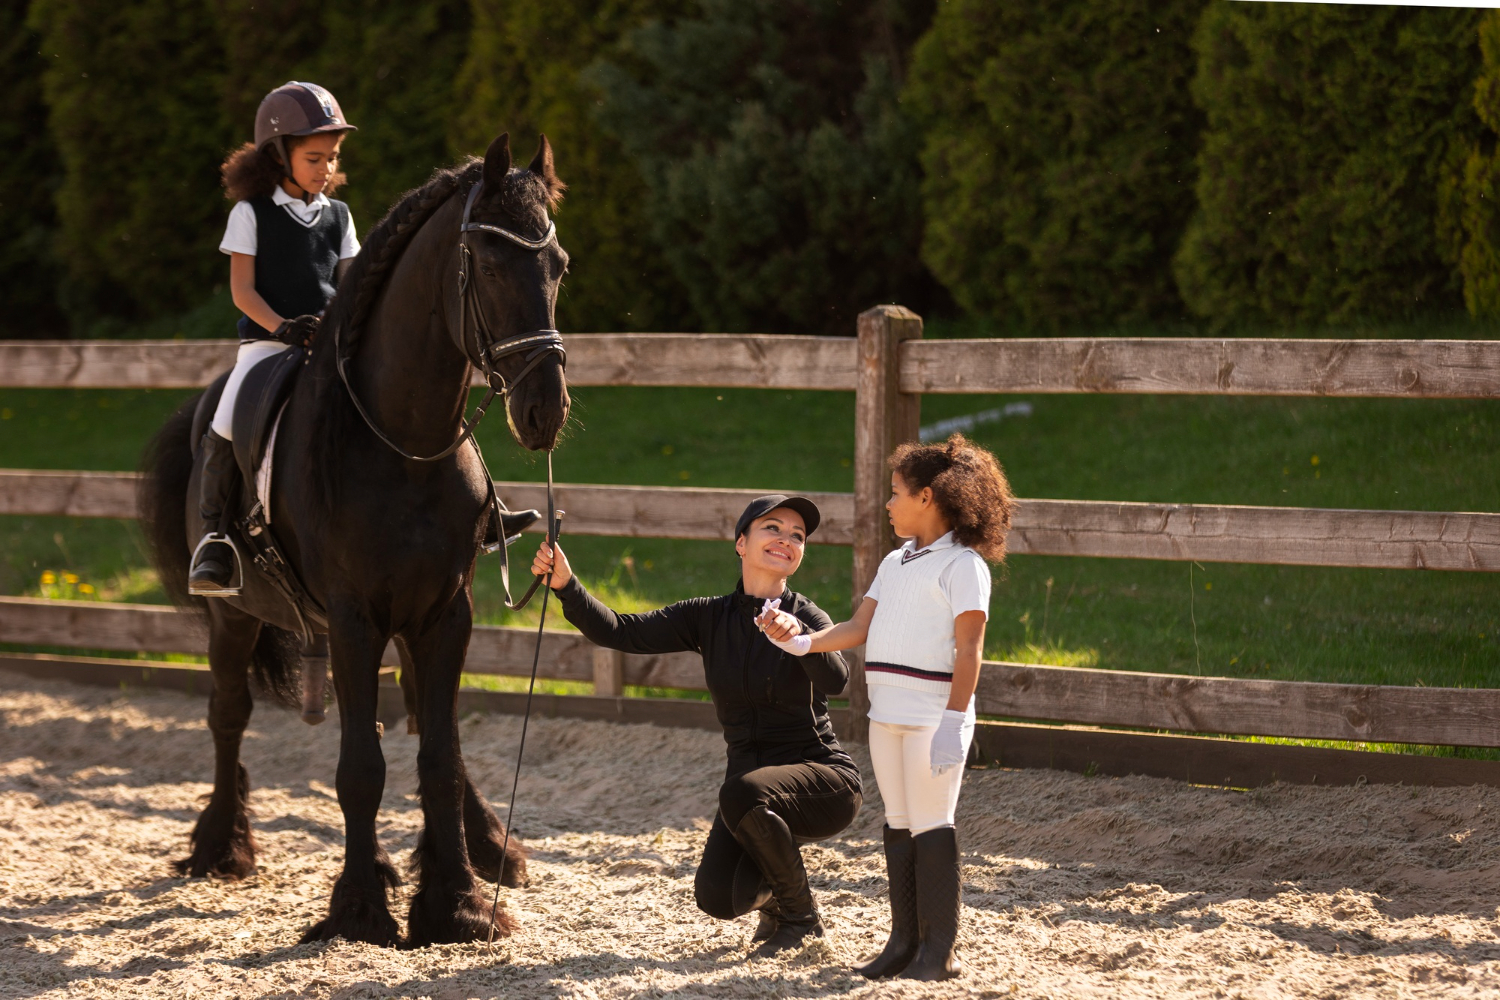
point(672, 629)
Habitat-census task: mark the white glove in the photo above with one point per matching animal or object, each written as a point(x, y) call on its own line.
point(797, 645)
point(948, 743)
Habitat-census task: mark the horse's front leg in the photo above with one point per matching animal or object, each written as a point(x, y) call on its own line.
point(222, 842)
point(358, 910)
point(449, 905)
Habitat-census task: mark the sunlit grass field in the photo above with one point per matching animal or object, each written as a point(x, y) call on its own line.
point(1369, 626)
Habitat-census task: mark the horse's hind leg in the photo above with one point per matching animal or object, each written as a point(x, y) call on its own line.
point(485, 836)
point(222, 842)
point(449, 905)
point(358, 910)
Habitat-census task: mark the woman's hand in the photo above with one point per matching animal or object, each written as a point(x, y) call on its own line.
point(778, 625)
point(552, 559)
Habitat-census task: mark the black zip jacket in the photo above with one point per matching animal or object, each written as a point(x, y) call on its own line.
point(772, 705)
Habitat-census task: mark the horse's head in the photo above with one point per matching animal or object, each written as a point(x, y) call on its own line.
point(512, 267)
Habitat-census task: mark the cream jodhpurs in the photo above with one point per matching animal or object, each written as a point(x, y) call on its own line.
point(252, 352)
point(914, 799)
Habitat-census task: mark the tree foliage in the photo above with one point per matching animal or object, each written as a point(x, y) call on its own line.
point(522, 75)
point(780, 167)
point(1475, 196)
point(1331, 134)
point(1058, 155)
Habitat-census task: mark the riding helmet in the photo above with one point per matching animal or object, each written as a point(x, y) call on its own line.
point(296, 108)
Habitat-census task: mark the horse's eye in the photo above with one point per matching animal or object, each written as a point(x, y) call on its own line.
point(488, 272)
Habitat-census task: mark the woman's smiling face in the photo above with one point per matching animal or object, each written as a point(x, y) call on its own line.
point(773, 543)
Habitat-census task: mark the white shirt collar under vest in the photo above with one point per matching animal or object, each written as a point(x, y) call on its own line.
point(304, 212)
point(909, 550)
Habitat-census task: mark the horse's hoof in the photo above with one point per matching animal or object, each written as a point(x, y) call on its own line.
point(314, 718)
point(356, 921)
point(235, 862)
point(431, 922)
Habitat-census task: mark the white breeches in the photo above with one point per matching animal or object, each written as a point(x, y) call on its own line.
point(914, 799)
point(251, 353)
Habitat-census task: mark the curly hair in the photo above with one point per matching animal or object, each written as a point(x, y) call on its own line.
point(968, 486)
point(249, 172)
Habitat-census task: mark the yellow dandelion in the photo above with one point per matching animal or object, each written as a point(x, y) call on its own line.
point(87, 588)
point(70, 578)
point(1208, 586)
point(49, 578)
point(1315, 460)
point(667, 449)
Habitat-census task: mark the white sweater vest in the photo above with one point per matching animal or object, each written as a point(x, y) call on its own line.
point(910, 644)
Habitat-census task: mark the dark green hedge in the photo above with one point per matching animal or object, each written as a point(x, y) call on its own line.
point(781, 169)
point(1332, 132)
point(1058, 155)
point(1475, 197)
point(28, 176)
point(133, 97)
point(522, 75)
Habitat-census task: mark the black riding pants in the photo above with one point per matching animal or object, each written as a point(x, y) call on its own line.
point(817, 802)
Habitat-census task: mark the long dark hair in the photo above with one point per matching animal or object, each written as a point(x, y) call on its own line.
point(968, 486)
point(249, 172)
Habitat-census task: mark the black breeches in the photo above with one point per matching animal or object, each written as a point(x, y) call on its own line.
point(815, 800)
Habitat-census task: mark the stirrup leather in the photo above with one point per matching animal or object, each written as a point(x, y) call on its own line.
point(236, 578)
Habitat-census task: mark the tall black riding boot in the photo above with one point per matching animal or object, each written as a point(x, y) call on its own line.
point(901, 871)
point(769, 841)
point(938, 901)
point(512, 523)
point(213, 561)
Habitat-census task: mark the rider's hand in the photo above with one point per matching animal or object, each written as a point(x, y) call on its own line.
point(299, 332)
point(552, 559)
point(947, 750)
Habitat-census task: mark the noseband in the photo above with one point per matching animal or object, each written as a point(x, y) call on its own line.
point(539, 343)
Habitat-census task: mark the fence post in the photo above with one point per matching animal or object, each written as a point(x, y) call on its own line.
point(883, 418)
point(609, 672)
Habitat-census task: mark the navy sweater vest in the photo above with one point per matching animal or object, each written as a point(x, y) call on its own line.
point(294, 263)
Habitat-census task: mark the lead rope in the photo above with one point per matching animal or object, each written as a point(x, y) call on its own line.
point(554, 529)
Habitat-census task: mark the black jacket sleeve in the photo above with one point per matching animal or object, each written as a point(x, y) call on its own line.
point(828, 672)
point(675, 628)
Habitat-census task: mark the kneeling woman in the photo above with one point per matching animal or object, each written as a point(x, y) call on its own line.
point(788, 780)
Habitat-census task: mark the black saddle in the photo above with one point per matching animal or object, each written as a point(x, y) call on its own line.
point(263, 391)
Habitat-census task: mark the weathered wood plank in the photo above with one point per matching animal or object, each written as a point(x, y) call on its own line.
point(109, 364)
point(75, 494)
point(757, 361)
point(1286, 536)
point(1428, 369)
point(1231, 763)
point(149, 628)
point(668, 511)
point(1240, 707)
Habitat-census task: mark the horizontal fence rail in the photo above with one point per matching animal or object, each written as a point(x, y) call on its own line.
point(1421, 369)
point(1296, 709)
point(1287, 536)
point(1412, 369)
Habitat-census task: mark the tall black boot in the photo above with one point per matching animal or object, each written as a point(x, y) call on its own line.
point(769, 841)
point(213, 560)
point(901, 871)
point(938, 884)
point(512, 523)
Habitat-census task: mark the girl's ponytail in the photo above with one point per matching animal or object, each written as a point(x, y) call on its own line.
point(249, 172)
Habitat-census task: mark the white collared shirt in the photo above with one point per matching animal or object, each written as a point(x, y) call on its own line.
point(240, 232)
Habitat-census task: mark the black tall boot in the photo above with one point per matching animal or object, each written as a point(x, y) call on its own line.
point(769, 841)
point(213, 560)
point(512, 523)
point(938, 884)
point(901, 871)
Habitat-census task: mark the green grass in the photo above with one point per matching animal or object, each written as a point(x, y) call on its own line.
point(1369, 626)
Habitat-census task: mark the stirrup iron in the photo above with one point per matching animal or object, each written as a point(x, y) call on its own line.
point(236, 577)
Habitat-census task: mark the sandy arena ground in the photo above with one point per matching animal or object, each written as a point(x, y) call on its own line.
point(1074, 886)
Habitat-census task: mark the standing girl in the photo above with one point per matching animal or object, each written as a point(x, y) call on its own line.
point(288, 244)
point(923, 624)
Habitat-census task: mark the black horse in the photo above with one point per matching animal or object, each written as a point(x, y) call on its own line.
point(383, 544)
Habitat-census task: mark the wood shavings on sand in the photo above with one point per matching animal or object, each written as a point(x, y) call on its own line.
point(1073, 886)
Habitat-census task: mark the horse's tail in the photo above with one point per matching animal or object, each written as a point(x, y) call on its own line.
point(161, 503)
point(276, 665)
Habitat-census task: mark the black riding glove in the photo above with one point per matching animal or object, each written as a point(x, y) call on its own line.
point(299, 332)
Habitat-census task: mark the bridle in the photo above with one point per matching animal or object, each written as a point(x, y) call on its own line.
point(540, 343)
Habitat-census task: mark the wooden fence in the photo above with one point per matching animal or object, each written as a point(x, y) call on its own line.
point(889, 367)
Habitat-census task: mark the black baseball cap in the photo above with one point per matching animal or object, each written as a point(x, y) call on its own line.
point(761, 506)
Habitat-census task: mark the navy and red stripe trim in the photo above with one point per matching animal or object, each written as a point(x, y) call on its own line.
point(921, 675)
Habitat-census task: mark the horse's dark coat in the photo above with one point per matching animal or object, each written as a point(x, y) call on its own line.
point(386, 546)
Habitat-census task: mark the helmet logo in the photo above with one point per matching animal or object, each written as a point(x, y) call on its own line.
point(325, 100)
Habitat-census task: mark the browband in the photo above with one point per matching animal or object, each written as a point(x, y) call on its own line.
point(516, 238)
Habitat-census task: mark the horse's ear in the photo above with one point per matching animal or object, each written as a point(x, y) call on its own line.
point(541, 165)
point(497, 161)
